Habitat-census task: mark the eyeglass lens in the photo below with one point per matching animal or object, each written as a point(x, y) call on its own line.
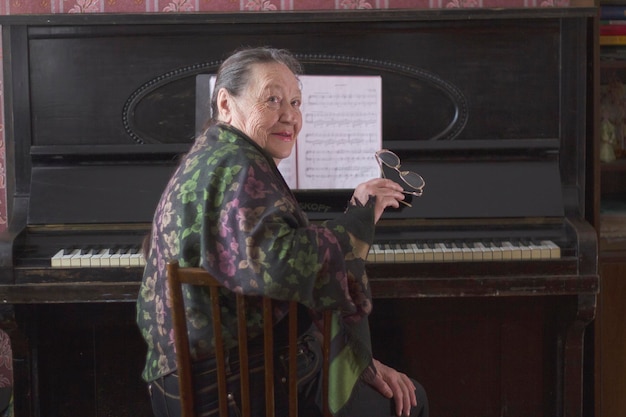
point(413, 179)
point(389, 158)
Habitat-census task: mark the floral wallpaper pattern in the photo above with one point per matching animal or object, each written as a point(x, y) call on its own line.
point(13, 7)
point(179, 6)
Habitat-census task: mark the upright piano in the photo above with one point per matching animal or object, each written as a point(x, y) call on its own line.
point(483, 287)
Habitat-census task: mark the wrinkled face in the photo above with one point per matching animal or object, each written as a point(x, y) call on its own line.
point(268, 110)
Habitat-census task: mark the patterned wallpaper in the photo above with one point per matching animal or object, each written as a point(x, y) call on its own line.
point(12, 7)
point(151, 6)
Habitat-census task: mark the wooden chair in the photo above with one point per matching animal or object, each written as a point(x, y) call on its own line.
point(176, 276)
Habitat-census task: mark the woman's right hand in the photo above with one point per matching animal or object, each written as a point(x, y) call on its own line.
point(388, 193)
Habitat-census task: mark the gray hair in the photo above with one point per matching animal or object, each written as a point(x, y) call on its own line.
point(234, 73)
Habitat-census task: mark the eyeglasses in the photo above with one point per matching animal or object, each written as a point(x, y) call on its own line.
point(410, 178)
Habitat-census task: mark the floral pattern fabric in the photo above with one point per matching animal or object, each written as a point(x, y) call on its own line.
point(6, 375)
point(6, 360)
point(228, 210)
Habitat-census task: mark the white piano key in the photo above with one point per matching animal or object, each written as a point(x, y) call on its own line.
point(114, 260)
point(544, 251)
point(525, 250)
point(468, 255)
point(437, 252)
point(457, 251)
point(496, 251)
point(125, 257)
point(136, 258)
point(55, 261)
point(407, 250)
point(535, 251)
point(66, 259)
point(96, 259)
point(75, 259)
point(418, 252)
point(429, 252)
point(487, 253)
point(448, 255)
point(442, 253)
point(555, 250)
point(398, 253)
point(389, 253)
point(511, 252)
point(105, 258)
point(85, 258)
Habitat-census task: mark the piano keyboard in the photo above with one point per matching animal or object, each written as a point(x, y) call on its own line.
point(97, 258)
point(379, 252)
point(463, 251)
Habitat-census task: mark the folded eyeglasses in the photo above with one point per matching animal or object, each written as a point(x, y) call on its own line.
point(410, 178)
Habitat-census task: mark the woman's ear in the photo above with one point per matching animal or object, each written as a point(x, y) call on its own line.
point(224, 103)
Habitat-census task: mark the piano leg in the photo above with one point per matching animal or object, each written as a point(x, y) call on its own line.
point(573, 353)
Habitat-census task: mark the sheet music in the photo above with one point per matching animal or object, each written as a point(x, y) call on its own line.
point(342, 129)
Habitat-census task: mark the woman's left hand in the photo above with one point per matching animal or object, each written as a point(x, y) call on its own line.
point(388, 193)
point(396, 385)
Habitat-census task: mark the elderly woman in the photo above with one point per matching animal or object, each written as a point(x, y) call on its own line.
point(228, 210)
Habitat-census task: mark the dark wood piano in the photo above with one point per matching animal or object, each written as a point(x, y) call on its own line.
point(484, 287)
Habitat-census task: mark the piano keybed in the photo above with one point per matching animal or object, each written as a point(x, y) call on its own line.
point(389, 252)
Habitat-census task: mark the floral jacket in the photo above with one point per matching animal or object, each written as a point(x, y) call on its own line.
point(228, 210)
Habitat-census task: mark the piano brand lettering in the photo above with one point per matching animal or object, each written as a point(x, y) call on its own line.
point(315, 207)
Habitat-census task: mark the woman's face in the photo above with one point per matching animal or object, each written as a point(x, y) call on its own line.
point(268, 110)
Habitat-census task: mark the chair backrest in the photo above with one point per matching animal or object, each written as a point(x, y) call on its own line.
point(176, 276)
